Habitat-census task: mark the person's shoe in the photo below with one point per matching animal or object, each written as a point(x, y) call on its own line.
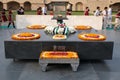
point(14, 26)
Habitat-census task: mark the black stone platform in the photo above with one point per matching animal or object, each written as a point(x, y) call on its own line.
point(31, 49)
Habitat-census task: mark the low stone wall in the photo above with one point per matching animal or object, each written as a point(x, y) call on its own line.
point(24, 20)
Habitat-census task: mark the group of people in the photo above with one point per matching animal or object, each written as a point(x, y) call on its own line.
point(42, 10)
point(7, 17)
point(107, 16)
point(106, 13)
point(20, 11)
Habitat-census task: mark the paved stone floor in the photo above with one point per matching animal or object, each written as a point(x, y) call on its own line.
point(88, 70)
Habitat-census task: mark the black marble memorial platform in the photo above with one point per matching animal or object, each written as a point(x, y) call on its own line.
point(31, 49)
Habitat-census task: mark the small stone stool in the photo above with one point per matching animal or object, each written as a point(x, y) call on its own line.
point(59, 57)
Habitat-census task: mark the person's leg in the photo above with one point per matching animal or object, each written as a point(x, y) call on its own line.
point(117, 22)
point(0, 22)
point(110, 21)
point(13, 24)
point(9, 24)
point(118, 27)
point(115, 27)
point(105, 23)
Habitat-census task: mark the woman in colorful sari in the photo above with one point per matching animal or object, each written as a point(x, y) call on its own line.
point(3, 16)
point(86, 12)
point(10, 18)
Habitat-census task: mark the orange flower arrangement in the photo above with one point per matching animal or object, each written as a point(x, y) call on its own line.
point(58, 54)
point(36, 27)
point(83, 27)
point(91, 37)
point(25, 36)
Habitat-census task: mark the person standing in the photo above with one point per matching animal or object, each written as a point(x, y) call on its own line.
point(86, 12)
point(20, 11)
point(97, 12)
point(3, 16)
point(110, 17)
point(44, 10)
point(117, 20)
point(10, 18)
point(105, 17)
point(39, 11)
point(51, 12)
point(69, 12)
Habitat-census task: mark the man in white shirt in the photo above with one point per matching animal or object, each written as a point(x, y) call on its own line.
point(105, 18)
point(44, 10)
point(97, 12)
point(110, 17)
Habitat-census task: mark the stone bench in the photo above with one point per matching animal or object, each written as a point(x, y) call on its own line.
point(59, 57)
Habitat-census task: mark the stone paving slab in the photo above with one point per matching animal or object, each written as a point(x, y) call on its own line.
point(88, 70)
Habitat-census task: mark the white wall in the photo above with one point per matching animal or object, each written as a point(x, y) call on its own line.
point(24, 20)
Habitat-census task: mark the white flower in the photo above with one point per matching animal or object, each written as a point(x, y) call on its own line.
point(72, 29)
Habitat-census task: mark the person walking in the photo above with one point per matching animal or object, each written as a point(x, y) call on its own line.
point(10, 18)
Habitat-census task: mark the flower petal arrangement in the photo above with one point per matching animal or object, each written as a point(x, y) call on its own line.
point(36, 27)
point(26, 36)
point(82, 27)
point(91, 37)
